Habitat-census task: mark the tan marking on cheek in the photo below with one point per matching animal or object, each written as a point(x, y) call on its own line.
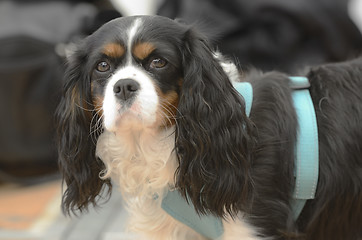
point(79, 102)
point(113, 50)
point(74, 96)
point(143, 50)
point(180, 82)
point(97, 101)
point(98, 104)
point(166, 113)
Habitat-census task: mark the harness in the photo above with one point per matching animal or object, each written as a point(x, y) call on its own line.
point(306, 163)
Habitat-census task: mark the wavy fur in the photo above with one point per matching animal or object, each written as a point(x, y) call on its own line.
point(236, 167)
point(213, 134)
point(77, 159)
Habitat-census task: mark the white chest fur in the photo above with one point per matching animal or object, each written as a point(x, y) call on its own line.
point(143, 164)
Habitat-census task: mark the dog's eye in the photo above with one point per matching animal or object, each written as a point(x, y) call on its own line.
point(103, 66)
point(158, 63)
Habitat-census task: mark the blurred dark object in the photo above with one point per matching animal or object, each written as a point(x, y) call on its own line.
point(274, 35)
point(34, 36)
point(30, 74)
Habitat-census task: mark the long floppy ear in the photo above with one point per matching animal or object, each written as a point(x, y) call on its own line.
point(213, 134)
point(76, 148)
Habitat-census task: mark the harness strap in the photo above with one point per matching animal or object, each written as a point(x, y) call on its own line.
point(184, 211)
point(306, 163)
point(246, 91)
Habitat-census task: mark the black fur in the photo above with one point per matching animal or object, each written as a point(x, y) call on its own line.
point(273, 159)
point(336, 212)
point(213, 134)
point(228, 162)
point(77, 160)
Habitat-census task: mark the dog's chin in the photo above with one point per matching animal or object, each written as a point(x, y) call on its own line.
point(129, 120)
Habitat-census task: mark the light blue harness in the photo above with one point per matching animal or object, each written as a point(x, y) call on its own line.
point(306, 163)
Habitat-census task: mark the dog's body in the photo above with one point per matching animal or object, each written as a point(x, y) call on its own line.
point(162, 113)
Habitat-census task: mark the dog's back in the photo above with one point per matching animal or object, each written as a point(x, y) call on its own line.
point(336, 213)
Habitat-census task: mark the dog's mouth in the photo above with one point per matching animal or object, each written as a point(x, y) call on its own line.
point(125, 116)
point(133, 113)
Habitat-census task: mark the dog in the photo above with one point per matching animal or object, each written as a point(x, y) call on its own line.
point(151, 105)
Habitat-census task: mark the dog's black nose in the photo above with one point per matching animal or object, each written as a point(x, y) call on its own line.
point(125, 89)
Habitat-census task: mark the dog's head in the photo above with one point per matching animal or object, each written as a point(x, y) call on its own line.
point(153, 73)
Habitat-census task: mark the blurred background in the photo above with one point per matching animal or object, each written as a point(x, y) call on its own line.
point(35, 37)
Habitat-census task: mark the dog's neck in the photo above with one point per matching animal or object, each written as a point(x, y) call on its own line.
point(142, 162)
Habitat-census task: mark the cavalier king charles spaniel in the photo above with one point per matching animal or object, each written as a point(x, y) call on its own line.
point(149, 104)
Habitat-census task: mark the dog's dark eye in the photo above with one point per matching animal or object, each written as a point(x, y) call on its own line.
point(103, 67)
point(158, 63)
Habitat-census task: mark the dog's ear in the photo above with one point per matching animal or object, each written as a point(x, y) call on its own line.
point(76, 148)
point(213, 134)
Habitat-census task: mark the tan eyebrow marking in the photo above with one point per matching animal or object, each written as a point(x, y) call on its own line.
point(143, 50)
point(113, 50)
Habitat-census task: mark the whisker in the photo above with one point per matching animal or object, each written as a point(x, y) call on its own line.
point(171, 105)
point(171, 115)
point(96, 128)
point(85, 109)
point(165, 117)
point(168, 116)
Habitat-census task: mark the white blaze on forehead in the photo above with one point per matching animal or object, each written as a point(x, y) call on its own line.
point(131, 34)
point(142, 110)
point(139, 112)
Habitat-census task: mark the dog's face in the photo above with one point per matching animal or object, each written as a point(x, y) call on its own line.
point(152, 73)
point(135, 72)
